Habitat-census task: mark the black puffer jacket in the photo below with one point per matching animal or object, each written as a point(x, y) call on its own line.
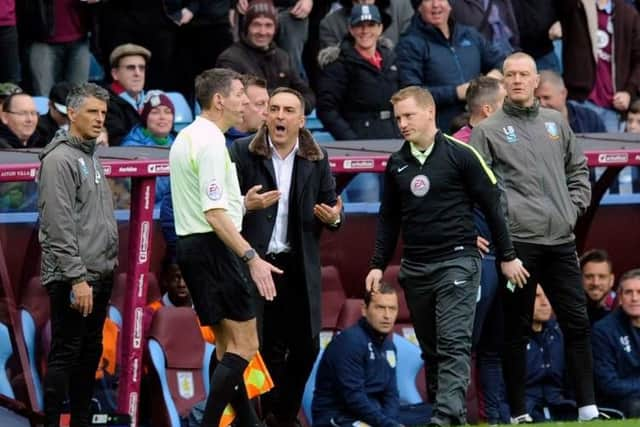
point(353, 95)
point(274, 65)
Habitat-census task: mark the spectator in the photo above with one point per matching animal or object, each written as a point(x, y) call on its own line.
point(633, 117)
point(430, 187)
point(494, 19)
point(257, 54)
point(126, 93)
point(57, 33)
point(297, 201)
point(255, 113)
point(443, 55)
point(157, 117)
point(292, 16)
point(485, 96)
point(356, 380)
point(543, 205)
point(6, 89)
point(156, 131)
point(616, 350)
point(358, 78)
point(601, 56)
point(545, 389)
point(553, 94)
point(10, 64)
point(598, 280)
point(538, 27)
point(396, 16)
point(19, 120)
point(56, 118)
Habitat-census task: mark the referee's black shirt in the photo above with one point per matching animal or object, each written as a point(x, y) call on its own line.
point(433, 205)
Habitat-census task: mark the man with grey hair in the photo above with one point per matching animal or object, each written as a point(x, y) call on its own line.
point(552, 93)
point(79, 240)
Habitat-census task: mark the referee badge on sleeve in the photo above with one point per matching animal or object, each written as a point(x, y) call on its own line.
point(214, 190)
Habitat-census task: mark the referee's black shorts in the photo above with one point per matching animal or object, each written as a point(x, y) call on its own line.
point(217, 279)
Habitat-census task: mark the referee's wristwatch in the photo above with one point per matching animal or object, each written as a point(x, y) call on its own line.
point(248, 255)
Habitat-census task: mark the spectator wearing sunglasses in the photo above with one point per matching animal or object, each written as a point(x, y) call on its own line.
point(126, 92)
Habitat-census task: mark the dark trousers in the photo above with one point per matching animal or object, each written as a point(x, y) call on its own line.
point(195, 54)
point(556, 269)
point(442, 301)
point(10, 63)
point(76, 346)
point(287, 346)
point(488, 338)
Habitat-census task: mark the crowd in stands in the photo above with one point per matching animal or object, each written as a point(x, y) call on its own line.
point(357, 55)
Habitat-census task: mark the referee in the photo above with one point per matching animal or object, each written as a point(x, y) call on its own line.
point(212, 255)
point(431, 185)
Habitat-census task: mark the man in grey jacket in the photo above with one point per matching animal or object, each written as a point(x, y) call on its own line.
point(545, 181)
point(79, 240)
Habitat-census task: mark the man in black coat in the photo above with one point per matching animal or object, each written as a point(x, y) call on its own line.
point(288, 165)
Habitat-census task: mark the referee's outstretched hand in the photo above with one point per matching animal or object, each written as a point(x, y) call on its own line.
point(515, 272)
point(261, 273)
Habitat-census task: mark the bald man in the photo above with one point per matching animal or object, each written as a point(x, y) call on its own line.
point(545, 182)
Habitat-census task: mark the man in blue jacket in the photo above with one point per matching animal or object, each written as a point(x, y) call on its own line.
point(545, 391)
point(356, 379)
point(616, 350)
point(437, 53)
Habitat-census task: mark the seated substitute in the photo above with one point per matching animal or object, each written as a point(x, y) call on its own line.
point(356, 380)
point(616, 350)
point(546, 391)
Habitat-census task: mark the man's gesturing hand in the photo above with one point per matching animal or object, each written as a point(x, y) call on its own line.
point(254, 200)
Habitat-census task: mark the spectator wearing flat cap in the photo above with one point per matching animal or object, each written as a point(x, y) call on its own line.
point(56, 117)
point(357, 81)
point(126, 92)
point(257, 54)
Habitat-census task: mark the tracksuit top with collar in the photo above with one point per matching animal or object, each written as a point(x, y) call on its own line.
point(433, 205)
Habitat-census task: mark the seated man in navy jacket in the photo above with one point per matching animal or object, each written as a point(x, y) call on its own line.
point(356, 379)
point(616, 350)
point(546, 392)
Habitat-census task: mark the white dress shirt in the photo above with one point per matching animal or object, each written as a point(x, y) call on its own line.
point(283, 169)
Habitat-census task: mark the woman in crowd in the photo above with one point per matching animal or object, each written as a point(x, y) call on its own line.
point(156, 131)
point(357, 81)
